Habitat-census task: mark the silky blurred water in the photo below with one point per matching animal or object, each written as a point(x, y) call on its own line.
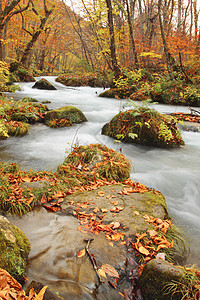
point(174, 172)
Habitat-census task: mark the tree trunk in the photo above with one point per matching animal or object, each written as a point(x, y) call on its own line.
point(167, 54)
point(179, 16)
point(115, 66)
point(35, 35)
point(131, 36)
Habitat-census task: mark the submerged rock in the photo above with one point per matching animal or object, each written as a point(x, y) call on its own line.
point(43, 84)
point(144, 126)
point(14, 249)
point(71, 113)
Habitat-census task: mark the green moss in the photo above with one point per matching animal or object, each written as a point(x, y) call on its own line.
point(29, 99)
point(152, 199)
point(14, 254)
point(161, 280)
point(71, 113)
point(154, 278)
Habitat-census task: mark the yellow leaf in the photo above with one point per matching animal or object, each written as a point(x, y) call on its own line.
point(41, 293)
point(101, 273)
point(143, 250)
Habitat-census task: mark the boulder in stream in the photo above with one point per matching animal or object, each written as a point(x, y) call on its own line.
point(14, 249)
point(164, 281)
point(143, 125)
point(70, 113)
point(43, 84)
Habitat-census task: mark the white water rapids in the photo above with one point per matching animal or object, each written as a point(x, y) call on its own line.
point(174, 172)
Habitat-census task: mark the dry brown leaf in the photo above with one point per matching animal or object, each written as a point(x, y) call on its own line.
point(108, 269)
point(96, 209)
point(104, 210)
point(136, 213)
point(26, 179)
point(152, 233)
point(43, 199)
point(115, 225)
point(117, 209)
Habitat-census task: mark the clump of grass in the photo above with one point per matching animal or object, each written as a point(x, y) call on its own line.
point(96, 160)
point(187, 288)
point(17, 128)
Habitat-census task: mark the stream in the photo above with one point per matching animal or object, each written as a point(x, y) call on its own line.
point(174, 172)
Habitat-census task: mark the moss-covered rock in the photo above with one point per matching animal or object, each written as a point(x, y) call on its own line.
point(122, 93)
point(14, 249)
point(29, 99)
point(71, 113)
point(20, 73)
point(43, 84)
point(17, 128)
point(163, 281)
point(81, 80)
point(97, 160)
point(144, 126)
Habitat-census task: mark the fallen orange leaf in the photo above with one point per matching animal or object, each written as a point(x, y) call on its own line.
point(101, 194)
point(81, 253)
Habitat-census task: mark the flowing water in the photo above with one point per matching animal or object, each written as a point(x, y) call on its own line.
point(174, 172)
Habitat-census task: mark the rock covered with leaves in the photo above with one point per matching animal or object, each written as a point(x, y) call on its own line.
point(43, 84)
point(14, 249)
point(97, 161)
point(146, 126)
point(64, 116)
point(15, 116)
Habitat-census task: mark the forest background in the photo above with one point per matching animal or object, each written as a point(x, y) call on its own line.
point(53, 37)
